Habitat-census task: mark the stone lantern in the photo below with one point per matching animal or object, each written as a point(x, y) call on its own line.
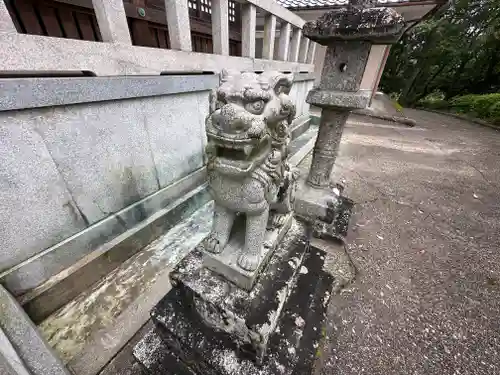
point(348, 33)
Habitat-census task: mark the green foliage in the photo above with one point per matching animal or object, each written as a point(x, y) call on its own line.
point(486, 106)
point(398, 106)
point(495, 113)
point(439, 104)
point(477, 105)
point(483, 104)
point(436, 95)
point(464, 104)
point(453, 53)
point(434, 101)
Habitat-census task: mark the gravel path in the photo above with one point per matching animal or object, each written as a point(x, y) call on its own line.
point(425, 240)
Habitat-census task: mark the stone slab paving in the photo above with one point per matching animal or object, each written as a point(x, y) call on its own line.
point(425, 241)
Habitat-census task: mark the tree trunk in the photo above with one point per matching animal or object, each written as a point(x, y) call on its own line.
point(451, 92)
point(426, 90)
point(405, 100)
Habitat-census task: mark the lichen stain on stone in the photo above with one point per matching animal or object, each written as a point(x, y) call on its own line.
point(281, 297)
point(229, 361)
point(69, 329)
point(299, 322)
point(233, 365)
point(147, 351)
point(352, 21)
point(326, 298)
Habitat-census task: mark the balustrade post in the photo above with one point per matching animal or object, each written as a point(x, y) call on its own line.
point(112, 21)
point(220, 26)
point(304, 46)
point(284, 41)
point(179, 29)
point(295, 45)
point(6, 23)
point(249, 23)
point(311, 52)
point(269, 35)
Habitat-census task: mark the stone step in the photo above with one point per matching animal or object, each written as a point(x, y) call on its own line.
point(155, 357)
point(302, 325)
point(292, 346)
point(299, 126)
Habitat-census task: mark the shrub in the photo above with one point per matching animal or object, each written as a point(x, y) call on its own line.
point(494, 113)
point(434, 100)
point(483, 104)
point(434, 104)
point(464, 103)
point(440, 104)
point(435, 95)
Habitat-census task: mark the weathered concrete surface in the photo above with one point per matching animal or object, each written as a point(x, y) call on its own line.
point(65, 168)
point(298, 94)
point(424, 240)
point(70, 329)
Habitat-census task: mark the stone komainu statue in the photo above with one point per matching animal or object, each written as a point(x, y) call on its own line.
point(248, 135)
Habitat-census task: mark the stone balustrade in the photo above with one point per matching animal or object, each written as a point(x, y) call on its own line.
point(130, 117)
point(117, 56)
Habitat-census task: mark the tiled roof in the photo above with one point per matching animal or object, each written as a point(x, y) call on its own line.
point(298, 4)
point(310, 3)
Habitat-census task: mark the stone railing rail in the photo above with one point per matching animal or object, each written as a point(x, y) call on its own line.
point(33, 54)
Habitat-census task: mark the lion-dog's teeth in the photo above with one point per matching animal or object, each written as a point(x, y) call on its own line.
point(247, 150)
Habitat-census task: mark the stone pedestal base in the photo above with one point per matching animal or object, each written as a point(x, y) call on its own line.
point(226, 263)
point(208, 325)
point(325, 208)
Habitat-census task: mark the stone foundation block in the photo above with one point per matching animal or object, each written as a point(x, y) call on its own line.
point(326, 209)
point(191, 338)
point(226, 263)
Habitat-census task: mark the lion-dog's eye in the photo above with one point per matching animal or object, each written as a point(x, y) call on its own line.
point(255, 107)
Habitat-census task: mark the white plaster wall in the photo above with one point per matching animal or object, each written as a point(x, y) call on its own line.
point(373, 66)
point(65, 168)
point(319, 61)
